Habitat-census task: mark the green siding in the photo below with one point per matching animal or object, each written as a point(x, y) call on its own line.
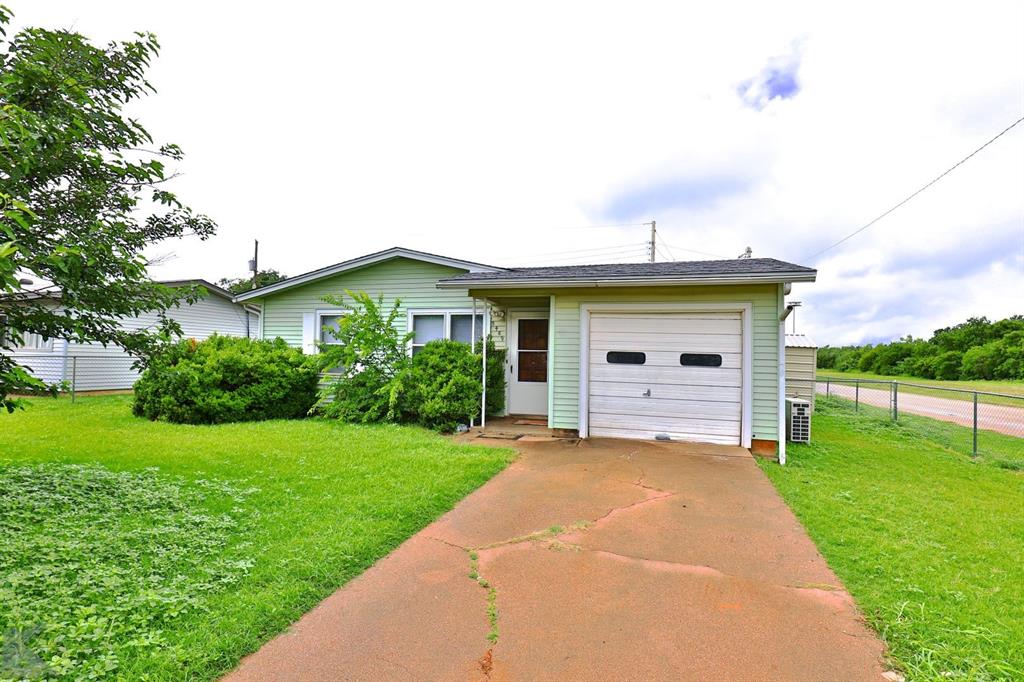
point(764, 300)
point(413, 282)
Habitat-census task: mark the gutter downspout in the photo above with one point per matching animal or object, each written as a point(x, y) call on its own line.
point(782, 372)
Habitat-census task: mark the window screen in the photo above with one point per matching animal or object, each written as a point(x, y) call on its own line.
point(700, 360)
point(462, 327)
point(328, 322)
point(622, 357)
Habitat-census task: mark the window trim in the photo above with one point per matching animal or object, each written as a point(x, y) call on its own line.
point(447, 313)
point(319, 327)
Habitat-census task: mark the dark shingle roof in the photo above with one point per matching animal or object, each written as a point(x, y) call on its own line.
point(755, 268)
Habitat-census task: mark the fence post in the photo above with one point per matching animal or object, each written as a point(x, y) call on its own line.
point(975, 451)
point(895, 401)
point(856, 395)
point(74, 375)
point(828, 387)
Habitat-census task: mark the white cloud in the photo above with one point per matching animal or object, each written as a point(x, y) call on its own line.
point(479, 131)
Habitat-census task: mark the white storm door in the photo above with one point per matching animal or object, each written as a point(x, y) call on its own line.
point(528, 360)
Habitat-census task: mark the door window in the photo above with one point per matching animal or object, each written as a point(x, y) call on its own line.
point(532, 354)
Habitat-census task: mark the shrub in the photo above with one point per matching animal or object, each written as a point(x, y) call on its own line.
point(495, 378)
point(226, 379)
point(443, 385)
point(946, 365)
point(372, 378)
point(366, 364)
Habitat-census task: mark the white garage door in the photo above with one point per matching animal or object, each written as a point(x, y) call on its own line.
point(677, 374)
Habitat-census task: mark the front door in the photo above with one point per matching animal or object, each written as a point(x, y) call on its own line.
point(528, 360)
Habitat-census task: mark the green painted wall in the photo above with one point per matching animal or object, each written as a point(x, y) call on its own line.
point(764, 300)
point(414, 282)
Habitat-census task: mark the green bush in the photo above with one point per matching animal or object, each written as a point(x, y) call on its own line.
point(366, 363)
point(945, 365)
point(226, 379)
point(495, 378)
point(373, 378)
point(443, 385)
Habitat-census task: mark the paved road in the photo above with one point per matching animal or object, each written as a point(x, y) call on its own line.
point(607, 560)
point(1000, 418)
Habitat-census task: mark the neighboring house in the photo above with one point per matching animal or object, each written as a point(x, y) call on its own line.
point(95, 367)
point(801, 367)
point(680, 350)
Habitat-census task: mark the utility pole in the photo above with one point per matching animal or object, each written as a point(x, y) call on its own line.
point(254, 264)
point(653, 233)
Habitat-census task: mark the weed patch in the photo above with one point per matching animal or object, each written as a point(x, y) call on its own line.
point(94, 563)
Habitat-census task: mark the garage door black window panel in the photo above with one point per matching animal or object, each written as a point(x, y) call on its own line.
point(623, 357)
point(700, 360)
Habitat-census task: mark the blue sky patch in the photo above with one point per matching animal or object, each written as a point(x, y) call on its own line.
point(674, 194)
point(777, 80)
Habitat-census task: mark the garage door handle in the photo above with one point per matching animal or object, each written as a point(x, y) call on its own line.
point(647, 393)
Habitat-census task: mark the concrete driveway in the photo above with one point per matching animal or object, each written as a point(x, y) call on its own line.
point(602, 560)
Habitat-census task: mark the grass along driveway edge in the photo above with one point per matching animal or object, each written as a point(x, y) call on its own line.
point(312, 504)
point(926, 540)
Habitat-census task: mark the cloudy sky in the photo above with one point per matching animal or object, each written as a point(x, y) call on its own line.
point(546, 133)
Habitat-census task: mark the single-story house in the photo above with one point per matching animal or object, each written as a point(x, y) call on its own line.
point(679, 350)
point(95, 367)
point(801, 367)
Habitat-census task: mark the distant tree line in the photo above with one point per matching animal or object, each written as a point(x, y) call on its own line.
point(975, 349)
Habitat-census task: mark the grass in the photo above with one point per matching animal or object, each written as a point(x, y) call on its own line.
point(135, 549)
point(995, 448)
point(928, 541)
point(1012, 388)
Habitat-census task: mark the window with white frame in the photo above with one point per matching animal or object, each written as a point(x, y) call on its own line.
point(435, 325)
point(326, 320)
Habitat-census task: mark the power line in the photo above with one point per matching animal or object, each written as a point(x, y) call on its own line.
point(596, 248)
point(702, 253)
point(634, 253)
point(589, 227)
point(942, 175)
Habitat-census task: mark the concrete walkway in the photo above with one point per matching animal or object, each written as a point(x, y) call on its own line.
point(602, 560)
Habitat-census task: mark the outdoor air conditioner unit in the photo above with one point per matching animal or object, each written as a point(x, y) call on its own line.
point(798, 420)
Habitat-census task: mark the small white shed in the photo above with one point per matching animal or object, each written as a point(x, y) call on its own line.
point(801, 366)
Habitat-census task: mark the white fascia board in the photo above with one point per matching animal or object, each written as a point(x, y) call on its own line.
point(773, 278)
point(362, 262)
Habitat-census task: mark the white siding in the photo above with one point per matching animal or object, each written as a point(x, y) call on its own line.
point(801, 369)
point(95, 367)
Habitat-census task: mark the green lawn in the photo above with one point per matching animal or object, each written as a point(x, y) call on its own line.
point(929, 542)
point(135, 549)
point(1013, 388)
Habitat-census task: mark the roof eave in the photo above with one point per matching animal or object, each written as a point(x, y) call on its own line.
point(360, 262)
point(566, 283)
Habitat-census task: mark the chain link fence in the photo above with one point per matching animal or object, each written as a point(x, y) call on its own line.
point(977, 423)
point(75, 374)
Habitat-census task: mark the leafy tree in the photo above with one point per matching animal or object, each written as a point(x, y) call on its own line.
point(240, 285)
point(366, 362)
point(82, 193)
point(975, 349)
